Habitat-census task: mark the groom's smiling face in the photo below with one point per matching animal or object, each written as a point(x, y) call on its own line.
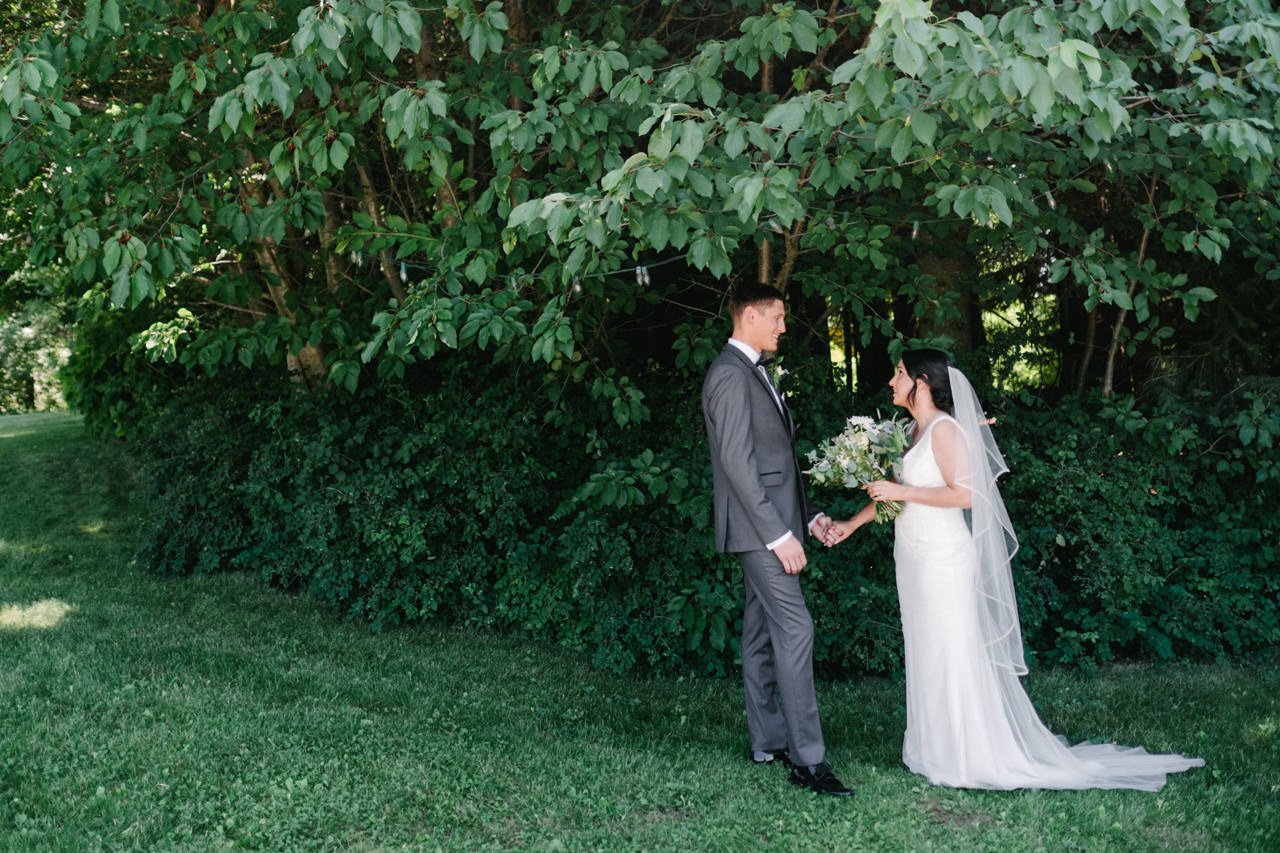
point(764, 324)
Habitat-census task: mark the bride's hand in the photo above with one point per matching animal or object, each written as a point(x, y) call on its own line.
point(885, 490)
point(837, 532)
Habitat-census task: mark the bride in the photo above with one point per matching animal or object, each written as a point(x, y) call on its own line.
point(969, 722)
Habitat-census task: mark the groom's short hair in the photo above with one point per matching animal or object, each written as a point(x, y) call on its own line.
point(752, 294)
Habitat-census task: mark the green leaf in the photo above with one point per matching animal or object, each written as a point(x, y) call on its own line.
point(735, 142)
point(1042, 96)
point(710, 90)
point(410, 22)
point(329, 34)
point(217, 110)
point(804, 29)
point(1000, 205)
point(281, 93)
point(435, 99)
point(700, 253)
point(338, 154)
point(660, 142)
point(1023, 73)
point(908, 56)
point(656, 230)
point(844, 72)
point(524, 213)
point(700, 184)
point(11, 90)
point(234, 111)
point(648, 182)
point(902, 143)
point(120, 288)
point(92, 16)
point(691, 141)
point(111, 254)
point(878, 85)
point(924, 126)
point(31, 75)
point(786, 116)
point(111, 15)
point(478, 270)
point(980, 115)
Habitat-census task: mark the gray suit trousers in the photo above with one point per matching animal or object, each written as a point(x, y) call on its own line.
point(777, 661)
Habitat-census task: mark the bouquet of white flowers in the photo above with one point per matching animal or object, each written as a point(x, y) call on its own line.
point(866, 450)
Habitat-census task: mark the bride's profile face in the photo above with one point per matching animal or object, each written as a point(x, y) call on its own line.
point(901, 383)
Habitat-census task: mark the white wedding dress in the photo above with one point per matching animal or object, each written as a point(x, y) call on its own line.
point(969, 722)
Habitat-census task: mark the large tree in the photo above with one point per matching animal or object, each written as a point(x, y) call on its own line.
point(347, 186)
point(509, 229)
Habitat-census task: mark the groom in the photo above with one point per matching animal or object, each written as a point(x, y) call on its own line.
point(761, 514)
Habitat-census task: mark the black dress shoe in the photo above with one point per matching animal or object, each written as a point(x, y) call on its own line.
point(819, 779)
point(776, 756)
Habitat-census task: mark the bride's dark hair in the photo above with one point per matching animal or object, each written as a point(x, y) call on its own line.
point(931, 366)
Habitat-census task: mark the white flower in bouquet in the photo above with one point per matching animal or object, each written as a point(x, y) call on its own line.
point(865, 450)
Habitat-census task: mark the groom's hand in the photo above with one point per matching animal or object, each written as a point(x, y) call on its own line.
point(791, 553)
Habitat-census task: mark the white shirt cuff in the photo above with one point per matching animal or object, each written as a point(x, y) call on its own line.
point(783, 538)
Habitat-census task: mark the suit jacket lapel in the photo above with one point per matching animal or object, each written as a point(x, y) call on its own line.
point(780, 402)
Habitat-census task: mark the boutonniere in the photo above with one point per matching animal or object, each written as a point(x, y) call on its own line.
point(777, 373)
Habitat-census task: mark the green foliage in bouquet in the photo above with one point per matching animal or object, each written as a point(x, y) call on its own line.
point(866, 450)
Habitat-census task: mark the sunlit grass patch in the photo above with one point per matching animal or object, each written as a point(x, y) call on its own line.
point(42, 614)
point(1265, 730)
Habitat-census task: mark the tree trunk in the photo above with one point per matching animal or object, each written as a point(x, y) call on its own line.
point(308, 363)
point(328, 242)
point(369, 196)
point(1109, 374)
point(846, 338)
point(950, 278)
point(872, 354)
point(1086, 357)
point(427, 66)
point(764, 262)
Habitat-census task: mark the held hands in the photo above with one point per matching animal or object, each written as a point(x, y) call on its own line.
point(838, 531)
point(832, 533)
point(791, 552)
point(820, 524)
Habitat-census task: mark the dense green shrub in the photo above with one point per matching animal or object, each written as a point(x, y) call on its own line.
point(117, 387)
point(1142, 535)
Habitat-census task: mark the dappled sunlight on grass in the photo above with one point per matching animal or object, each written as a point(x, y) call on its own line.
point(43, 614)
point(31, 423)
point(9, 549)
point(1265, 730)
point(19, 551)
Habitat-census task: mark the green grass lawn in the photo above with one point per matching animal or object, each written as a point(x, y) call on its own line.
point(144, 712)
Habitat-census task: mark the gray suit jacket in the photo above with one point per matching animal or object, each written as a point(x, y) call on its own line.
point(759, 495)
